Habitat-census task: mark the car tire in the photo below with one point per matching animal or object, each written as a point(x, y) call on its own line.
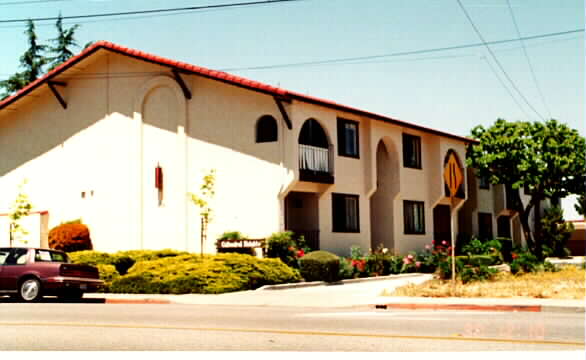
point(30, 290)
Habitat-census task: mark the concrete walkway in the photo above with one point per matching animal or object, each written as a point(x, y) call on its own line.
point(350, 293)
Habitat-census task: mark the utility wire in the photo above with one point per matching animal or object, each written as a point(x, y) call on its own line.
point(402, 53)
point(496, 60)
point(528, 60)
point(154, 11)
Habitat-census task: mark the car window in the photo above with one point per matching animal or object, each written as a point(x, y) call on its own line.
point(50, 256)
point(16, 257)
point(3, 256)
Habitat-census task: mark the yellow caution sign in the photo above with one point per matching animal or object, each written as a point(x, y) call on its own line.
point(453, 175)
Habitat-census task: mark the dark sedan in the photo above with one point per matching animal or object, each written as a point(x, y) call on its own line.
point(29, 274)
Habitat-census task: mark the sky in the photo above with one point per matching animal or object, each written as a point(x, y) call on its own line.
point(452, 90)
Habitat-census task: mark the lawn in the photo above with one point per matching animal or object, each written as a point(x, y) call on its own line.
point(568, 283)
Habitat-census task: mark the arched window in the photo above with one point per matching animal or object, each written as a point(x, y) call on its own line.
point(313, 134)
point(266, 129)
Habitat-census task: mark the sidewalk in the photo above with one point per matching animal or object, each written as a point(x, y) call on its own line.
point(349, 293)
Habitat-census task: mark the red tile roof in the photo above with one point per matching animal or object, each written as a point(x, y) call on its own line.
point(215, 75)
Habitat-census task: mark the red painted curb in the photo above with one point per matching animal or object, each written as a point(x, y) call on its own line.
point(526, 308)
point(137, 301)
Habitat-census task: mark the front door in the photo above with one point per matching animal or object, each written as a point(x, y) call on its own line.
point(442, 228)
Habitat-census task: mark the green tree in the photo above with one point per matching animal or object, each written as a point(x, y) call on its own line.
point(546, 159)
point(32, 62)
point(203, 201)
point(62, 44)
point(21, 208)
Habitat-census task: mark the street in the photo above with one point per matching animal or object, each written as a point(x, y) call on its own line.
point(90, 325)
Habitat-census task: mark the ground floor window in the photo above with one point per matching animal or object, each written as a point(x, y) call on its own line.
point(414, 217)
point(345, 212)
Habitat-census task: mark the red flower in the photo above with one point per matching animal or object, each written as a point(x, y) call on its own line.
point(300, 253)
point(514, 256)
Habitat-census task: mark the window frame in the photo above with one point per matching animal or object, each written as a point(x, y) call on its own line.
point(340, 213)
point(408, 140)
point(409, 209)
point(266, 139)
point(343, 138)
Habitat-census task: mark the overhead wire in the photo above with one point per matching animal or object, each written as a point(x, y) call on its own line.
point(497, 61)
point(152, 11)
point(528, 59)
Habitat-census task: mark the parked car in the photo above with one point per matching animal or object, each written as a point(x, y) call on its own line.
point(30, 273)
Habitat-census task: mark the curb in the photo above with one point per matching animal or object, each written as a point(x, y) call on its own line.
point(476, 307)
point(342, 282)
point(138, 301)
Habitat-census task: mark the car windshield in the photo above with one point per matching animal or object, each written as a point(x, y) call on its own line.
point(50, 256)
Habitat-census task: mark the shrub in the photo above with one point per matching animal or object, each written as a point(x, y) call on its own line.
point(108, 274)
point(346, 269)
point(477, 273)
point(555, 233)
point(207, 275)
point(524, 261)
point(121, 260)
point(232, 235)
point(70, 237)
point(281, 245)
point(319, 266)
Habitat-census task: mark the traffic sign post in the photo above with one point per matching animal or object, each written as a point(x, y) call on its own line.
point(453, 176)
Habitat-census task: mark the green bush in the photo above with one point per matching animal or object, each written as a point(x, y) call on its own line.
point(477, 273)
point(121, 260)
point(108, 274)
point(281, 245)
point(555, 233)
point(232, 235)
point(207, 275)
point(319, 266)
point(479, 260)
point(524, 261)
point(346, 269)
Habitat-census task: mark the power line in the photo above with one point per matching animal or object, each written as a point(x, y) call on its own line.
point(402, 53)
point(496, 60)
point(154, 11)
point(29, 2)
point(528, 60)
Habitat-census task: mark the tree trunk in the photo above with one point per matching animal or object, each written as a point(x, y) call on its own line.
point(538, 233)
point(523, 215)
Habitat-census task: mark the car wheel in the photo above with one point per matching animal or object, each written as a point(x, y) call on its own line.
point(30, 290)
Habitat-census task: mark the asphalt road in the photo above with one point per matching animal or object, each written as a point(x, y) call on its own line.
point(89, 325)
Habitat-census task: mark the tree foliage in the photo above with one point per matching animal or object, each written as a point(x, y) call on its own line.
point(544, 158)
point(62, 44)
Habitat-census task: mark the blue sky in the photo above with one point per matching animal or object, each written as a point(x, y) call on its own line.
point(449, 90)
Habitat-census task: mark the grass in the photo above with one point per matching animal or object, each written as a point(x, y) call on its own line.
point(568, 283)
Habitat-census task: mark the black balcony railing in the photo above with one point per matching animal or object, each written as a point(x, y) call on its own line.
point(311, 237)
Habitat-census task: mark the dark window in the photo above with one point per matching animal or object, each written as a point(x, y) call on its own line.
point(485, 226)
point(414, 217)
point(348, 138)
point(266, 129)
point(411, 151)
point(483, 182)
point(345, 213)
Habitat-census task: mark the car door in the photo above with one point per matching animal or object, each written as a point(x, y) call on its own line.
point(12, 268)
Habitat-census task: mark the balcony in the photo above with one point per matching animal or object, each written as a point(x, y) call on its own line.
point(316, 164)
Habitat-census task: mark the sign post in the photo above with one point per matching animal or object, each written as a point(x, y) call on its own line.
point(453, 177)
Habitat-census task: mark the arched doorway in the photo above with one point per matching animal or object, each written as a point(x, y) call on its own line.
point(382, 222)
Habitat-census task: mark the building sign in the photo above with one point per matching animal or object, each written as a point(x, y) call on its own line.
point(240, 243)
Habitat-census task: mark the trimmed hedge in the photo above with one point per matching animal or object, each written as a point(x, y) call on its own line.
point(205, 275)
point(320, 266)
point(70, 237)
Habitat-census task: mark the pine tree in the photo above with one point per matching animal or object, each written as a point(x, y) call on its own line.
point(62, 44)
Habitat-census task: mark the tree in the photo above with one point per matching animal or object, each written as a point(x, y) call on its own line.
point(546, 159)
point(202, 200)
point(62, 44)
point(32, 61)
point(20, 208)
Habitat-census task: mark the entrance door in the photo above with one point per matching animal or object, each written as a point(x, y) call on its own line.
point(302, 217)
point(442, 228)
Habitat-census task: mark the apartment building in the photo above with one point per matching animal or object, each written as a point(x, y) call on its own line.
point(119, 137)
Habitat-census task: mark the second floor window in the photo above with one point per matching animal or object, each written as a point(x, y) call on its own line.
point(411, 151)
point(266, 129)
point(348, 138)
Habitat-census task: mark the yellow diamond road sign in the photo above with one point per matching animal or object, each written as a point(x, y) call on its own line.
point(453, 175)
